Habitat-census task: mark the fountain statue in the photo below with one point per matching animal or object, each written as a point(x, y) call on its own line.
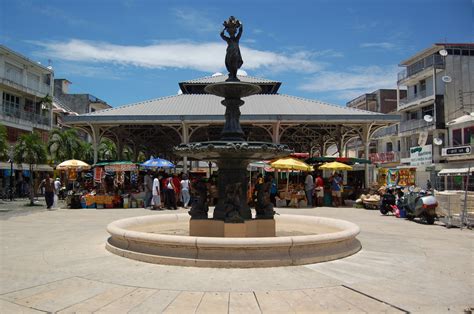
point(232, 153)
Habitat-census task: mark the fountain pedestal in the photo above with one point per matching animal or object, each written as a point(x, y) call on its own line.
point(254, 228)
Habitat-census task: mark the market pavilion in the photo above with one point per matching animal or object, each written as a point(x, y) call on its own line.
point(156, 126)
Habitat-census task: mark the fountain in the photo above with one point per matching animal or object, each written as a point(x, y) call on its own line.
point(232, 237)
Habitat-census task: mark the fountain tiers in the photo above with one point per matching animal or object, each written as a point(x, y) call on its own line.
point(232, 155)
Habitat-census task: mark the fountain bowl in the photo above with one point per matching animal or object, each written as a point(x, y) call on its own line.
point(164, 239)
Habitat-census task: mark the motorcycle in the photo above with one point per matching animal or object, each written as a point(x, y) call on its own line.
point(388, 204)
point(419, 205)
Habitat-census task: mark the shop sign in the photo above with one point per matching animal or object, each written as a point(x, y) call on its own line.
point(377, 158)
point(455, 151)
point(421, 155)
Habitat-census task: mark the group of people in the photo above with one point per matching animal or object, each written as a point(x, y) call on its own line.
point(314, 189)
point(166, 189)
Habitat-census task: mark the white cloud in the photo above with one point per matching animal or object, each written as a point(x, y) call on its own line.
point(195, 20)
point(381, 45)
point(349, 84)
point(208, 57)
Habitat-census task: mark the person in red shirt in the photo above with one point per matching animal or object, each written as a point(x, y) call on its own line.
point(177, 188)
point(319, 189)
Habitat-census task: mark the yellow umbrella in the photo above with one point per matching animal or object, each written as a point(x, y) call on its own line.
point(72, 163)
point(289, 163)
point(335, 165)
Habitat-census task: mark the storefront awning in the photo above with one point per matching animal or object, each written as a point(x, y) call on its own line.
point(42, 167)
point(455, 172)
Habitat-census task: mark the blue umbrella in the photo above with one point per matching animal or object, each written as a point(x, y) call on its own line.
point(157, 163)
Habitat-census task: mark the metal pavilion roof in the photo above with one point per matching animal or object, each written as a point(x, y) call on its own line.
point(208, 108)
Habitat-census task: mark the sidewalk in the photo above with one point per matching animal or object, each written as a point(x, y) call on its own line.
point(56, 261)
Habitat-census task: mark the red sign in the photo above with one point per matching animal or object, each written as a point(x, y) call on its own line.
point(379, 158)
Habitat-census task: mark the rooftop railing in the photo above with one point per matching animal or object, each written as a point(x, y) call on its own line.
point(425, 63)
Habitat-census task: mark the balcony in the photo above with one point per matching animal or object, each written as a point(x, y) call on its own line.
point(415, 125)
point(387, 131)
point(36, 88)
point(434, 60)
point(12, 114)
point(421, 98)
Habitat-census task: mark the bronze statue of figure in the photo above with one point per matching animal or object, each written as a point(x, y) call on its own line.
point(199, 208)
point(233, 58)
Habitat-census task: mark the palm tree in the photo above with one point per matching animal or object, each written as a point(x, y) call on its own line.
point(87, 152)
point(3, 143)
point(30, 149)
point(64, 145)
point(107, 150)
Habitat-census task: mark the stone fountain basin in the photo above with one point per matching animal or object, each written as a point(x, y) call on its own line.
point(163, 239)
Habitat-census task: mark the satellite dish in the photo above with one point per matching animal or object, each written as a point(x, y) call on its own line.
point(447, 79)
point(437, 141)
point(428, 118)
point(472, 114)
point(443, 52)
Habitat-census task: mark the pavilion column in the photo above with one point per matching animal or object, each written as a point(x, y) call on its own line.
point(276, 132)
point(366, 144)
point(95, 134)
point(185, 139)
point(119, 148)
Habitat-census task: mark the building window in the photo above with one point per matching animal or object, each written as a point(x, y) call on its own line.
point(398, 146)
point(469, 135)
point(389, 147)
point(413, 115)
point(11, 104)
point(457, 137)
point(415, 89)
point(422, 85)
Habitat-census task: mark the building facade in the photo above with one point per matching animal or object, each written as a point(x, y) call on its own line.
point(436, 112)
point(24, 86)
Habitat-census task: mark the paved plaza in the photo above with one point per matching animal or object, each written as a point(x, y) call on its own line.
point(55, 261)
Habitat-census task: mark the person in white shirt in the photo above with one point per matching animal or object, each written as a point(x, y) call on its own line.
point(156, 194)
point(57, 187)
point(185, 187)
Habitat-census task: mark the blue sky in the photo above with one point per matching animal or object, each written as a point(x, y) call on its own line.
point(125, 51)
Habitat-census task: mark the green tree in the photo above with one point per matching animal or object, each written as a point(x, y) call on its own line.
point(64, 145)
point(87, 152)
point(3, 143)
point(30, 149)
point(107, 150)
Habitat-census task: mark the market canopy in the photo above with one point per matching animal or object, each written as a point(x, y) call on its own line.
point(157, 163)
point(115, 166)
point(289, 163)
point(335, 165)
point(346, 160)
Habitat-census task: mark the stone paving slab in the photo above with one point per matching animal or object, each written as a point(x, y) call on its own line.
point(55, 261)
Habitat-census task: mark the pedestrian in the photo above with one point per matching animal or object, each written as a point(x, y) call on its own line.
point(319, 189)
point(273, 189)
point(336, 182)
point(309, 188)
point(185, 188)
point(57, 188)
point(48, 185)
point(170, 193)
point(156, 194)
point(428, 185)
point(148, 183)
